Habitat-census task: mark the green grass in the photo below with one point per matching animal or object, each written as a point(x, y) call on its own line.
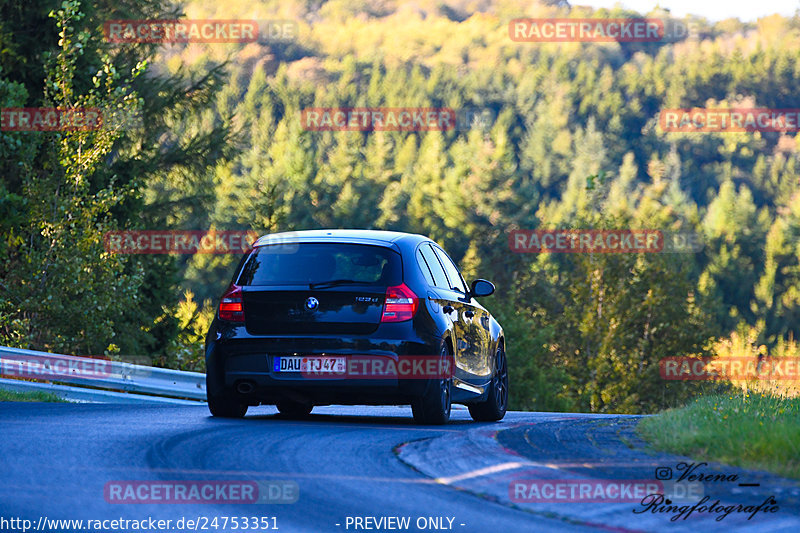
point(9, 396)
point(750, 430)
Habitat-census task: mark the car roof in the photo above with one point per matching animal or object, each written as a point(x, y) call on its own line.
point(358, 236)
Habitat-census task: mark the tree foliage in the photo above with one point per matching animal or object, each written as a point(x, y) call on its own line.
point(571, 141)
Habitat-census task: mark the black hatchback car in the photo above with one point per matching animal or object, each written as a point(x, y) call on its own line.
point(354, 317)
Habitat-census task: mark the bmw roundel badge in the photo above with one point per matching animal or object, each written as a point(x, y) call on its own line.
point(312, 303)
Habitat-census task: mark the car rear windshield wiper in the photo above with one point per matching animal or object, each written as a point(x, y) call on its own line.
point(334, 282)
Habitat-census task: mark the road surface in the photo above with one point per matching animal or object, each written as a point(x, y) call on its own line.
point(346, 469)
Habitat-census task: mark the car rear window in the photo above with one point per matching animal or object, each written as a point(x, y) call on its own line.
point(305, 263)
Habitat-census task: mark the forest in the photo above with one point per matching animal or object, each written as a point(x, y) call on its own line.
point(552, 135)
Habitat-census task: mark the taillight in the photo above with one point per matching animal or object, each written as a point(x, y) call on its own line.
point(231, 307)
point(401, 304)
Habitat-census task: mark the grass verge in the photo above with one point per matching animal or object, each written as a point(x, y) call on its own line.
point(11, 396)
point(750, 430)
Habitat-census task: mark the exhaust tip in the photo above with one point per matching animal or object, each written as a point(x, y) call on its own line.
point(245, 387)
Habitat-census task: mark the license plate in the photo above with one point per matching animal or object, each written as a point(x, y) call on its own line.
point(315, 364)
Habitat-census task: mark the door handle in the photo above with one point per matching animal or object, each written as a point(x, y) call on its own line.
point(469, 314)
point(448, 309)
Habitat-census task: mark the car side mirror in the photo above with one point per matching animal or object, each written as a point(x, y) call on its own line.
point(481, 287)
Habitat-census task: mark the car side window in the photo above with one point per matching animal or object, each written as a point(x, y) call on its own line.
point(423, 266)
point(439, 278)
point(451, 270)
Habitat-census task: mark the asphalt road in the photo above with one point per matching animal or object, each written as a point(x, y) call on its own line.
point(352, 469)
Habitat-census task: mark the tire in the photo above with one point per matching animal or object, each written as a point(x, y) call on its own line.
point(224, 406)
point(494, 407)
point(434, 407)
point(292, 409)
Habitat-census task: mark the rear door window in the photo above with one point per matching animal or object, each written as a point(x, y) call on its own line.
point(423, 266)
point(456, 282)
point(436, 270)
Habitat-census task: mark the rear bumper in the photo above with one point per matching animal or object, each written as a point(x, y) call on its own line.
point(231, 362)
